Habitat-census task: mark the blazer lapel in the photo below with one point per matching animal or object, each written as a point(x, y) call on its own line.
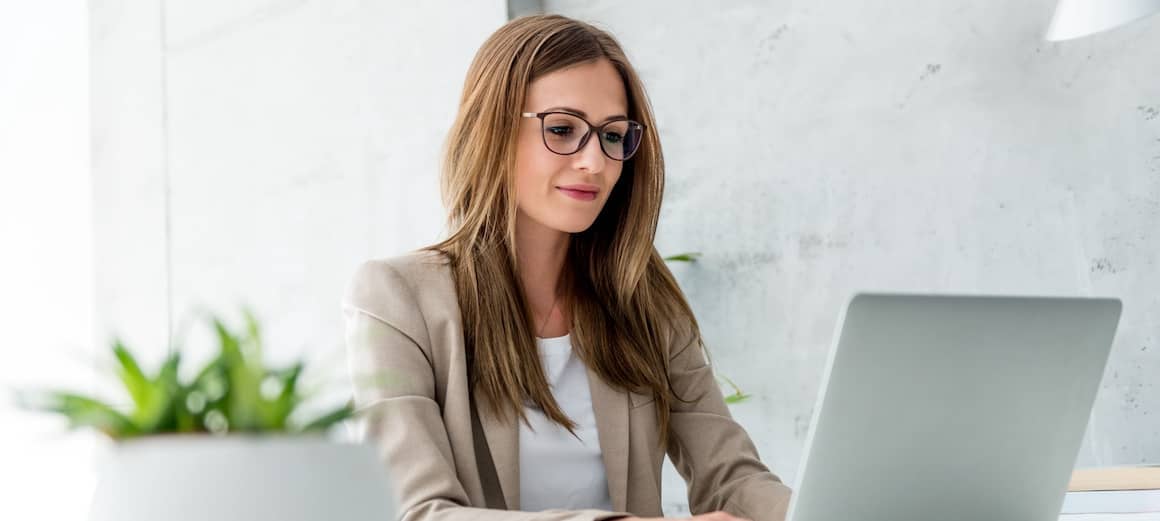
point(503, 441)
point(611, 409)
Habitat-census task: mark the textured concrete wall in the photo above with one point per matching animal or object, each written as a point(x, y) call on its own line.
point(255, 152)
point(819, 148)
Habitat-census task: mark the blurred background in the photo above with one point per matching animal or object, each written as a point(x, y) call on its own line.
point(161, 156)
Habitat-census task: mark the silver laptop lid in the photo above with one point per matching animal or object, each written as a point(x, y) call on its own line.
point(950, 407)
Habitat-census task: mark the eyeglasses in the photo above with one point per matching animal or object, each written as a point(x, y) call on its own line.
point(619, 138)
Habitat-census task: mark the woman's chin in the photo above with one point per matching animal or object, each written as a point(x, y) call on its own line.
point(574, 226)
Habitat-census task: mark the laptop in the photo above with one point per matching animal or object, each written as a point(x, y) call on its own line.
point(945, 407)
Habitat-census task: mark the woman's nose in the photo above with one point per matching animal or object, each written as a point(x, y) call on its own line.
point(590, 158)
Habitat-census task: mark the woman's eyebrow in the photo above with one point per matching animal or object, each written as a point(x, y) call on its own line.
point(583, 114)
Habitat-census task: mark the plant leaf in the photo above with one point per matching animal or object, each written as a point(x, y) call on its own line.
point(684, 257)
point(243, 395)
point(328, 420)
point(131, 375)
point(737, 398)
point(253, 341)
point(169, 368)
point(152, 398)
point(288, 398)
point(252, 326)
point(167, 398)
point(82, 411)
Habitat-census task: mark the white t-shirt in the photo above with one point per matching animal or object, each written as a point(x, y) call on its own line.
point(556, 469)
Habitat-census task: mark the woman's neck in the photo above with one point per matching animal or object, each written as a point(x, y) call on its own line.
point(542, 252)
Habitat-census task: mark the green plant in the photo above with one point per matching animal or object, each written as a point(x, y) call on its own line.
point(737, 396)
point(233, 393)
point(683, 257)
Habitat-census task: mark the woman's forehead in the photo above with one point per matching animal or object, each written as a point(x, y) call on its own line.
point(593, 89)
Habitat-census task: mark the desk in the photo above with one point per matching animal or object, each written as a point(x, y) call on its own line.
point(1151, 516)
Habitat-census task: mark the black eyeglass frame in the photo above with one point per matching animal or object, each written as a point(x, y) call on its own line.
point(591, 129)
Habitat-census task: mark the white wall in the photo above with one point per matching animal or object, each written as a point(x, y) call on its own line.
point(46, 273)
point(815, 149)
point(289, 141)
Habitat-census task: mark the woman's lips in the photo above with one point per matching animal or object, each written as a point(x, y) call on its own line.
point(578, 194)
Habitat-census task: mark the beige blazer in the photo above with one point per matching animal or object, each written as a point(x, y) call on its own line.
point(404, 329)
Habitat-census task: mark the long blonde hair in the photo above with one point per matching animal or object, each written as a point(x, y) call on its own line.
point(625, 302)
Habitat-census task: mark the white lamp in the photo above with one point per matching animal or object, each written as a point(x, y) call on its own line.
point(1076, 18)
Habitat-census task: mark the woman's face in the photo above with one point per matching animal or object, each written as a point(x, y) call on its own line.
point(595, 92)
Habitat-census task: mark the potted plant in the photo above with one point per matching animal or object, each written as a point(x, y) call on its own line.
point(228, 444)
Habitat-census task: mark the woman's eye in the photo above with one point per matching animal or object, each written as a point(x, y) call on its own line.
point(560, 131)
point(613, 137)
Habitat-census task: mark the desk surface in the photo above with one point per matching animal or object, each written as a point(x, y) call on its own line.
point(1151, 516)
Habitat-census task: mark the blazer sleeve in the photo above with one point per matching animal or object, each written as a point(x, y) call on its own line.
point(394, 393)
point(710, 450)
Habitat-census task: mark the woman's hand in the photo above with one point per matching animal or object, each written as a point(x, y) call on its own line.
point(711, 516)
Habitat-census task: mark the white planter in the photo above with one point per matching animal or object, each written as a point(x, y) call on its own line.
point(241, 478)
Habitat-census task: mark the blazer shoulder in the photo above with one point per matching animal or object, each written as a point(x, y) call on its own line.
point(416, 268)
point(397, 289)
point(682, 337)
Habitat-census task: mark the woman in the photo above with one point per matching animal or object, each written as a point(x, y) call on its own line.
point(542, 359)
